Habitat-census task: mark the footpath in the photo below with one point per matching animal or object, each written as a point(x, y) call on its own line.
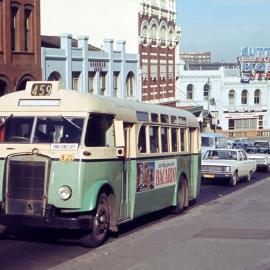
point(229, 233)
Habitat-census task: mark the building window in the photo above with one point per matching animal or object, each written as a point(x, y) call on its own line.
point(130, 85)
point(91, 82)
point(144, 31)
point(257, 97)
point(75, 80)
point(206, 91)
point(115, 83)
point(102, 83)
point(244, 97)
point(190, 91)
point(240, 124)
point(14, 26)
point(260, 122)
point(163, 34)
point(232, 98)
point(170, 38)
point(27, 30)
point(154, 32)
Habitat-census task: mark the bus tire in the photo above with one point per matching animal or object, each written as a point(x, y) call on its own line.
point(100, 224)
point(181, 196)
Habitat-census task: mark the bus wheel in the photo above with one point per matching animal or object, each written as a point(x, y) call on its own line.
point(181, 196)
point(100, 224)
point(234, 179)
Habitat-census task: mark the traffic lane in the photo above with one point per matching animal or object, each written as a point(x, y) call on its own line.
point(214, 189)
point(40, 249)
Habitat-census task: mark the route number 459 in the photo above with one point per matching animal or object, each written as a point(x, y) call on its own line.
point(41, 89)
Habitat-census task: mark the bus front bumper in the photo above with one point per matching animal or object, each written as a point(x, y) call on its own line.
point(52, 222)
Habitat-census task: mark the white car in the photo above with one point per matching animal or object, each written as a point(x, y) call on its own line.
point(232, 164)
point(262, 159)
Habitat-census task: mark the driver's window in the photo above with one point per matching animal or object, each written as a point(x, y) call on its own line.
point(100, 131)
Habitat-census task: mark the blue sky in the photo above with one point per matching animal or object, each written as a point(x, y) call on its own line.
point(223, 26)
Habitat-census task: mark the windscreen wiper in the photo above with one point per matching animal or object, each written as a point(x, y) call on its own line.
point(5, 120)
point(71, 122)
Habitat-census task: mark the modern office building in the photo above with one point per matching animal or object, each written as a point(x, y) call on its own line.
point(19, 44)
point(109, 71)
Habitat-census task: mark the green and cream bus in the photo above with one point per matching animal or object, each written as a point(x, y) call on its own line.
point(78, 161)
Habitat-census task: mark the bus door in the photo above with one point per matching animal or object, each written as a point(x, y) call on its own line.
point(126, 171)
point(194, 157)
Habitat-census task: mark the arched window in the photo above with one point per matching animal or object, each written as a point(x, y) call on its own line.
point(170, 38)
point(21, 85)
point(163, 34)
point(206, 89)
point(232, 98)
point(144, 31)
point(54, 76)
point(190, 91)
point(244, 97)
point(153, 31)
point(257, 96)
point(130, 84)
point(28, 25)
point(3, 87)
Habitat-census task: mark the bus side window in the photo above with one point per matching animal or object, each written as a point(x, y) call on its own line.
point(164, 139)
point(174, 139)
point(100, 131)
point(142, 140)
point(154, 141)
point(183, 140)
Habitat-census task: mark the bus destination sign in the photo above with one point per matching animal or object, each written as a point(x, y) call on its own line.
point(41, 89)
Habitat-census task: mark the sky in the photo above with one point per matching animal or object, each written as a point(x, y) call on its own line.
point(219, 26)
point(223, 26)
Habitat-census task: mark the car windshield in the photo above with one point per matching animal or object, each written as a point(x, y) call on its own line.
point(27, 130)
point(220, 154)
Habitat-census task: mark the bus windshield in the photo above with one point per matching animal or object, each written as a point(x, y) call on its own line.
point(59, 129)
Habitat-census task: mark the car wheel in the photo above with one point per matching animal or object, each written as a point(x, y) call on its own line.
point(100, 224)
point(249, 176)
point(234, 179)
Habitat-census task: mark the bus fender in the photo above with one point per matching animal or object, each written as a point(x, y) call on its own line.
point(91, 196)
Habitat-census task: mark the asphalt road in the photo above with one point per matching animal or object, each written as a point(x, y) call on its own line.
point(39, 249)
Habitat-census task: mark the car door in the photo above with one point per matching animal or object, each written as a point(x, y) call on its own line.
point(245, 163)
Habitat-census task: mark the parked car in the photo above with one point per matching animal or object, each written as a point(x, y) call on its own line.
point(260, 156)
point(212, 141)
point(231, 164)
point(261, 146)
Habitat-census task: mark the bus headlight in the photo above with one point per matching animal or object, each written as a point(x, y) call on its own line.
point(64, 192)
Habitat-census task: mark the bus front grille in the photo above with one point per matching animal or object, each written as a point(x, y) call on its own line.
point(26, 184)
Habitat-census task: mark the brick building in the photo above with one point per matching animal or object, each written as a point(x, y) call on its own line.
point(158, 40)
point(19, 44)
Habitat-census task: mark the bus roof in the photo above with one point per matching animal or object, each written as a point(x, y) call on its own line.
point(61, 100)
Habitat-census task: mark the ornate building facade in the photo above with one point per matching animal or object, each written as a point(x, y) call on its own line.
point(19, 44)
point(158, 49)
